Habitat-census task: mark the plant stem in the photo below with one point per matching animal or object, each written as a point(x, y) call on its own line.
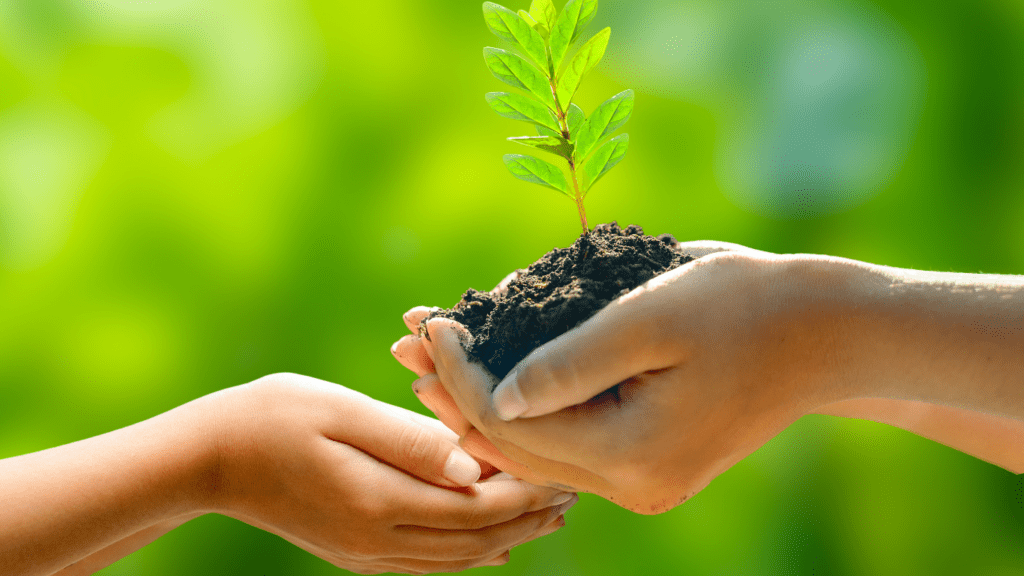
point(578, 198)
point(563, 123)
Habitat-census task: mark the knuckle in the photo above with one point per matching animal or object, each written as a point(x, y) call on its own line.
point(547, 371)
point(418, 446)
point(278, 378)
point(473, 517)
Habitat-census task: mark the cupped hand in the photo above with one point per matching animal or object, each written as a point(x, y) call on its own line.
point(771, 336)
point(367, 486)
point(659, 392)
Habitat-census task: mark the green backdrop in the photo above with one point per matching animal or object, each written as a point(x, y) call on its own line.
point(196, 194)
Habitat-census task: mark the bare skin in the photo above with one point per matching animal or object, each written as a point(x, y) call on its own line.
point(362, 484)
point(677, 381)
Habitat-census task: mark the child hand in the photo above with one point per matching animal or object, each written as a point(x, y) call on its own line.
point(365, 485)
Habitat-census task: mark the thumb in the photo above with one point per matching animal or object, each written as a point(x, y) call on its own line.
point(422, 451)
point(624, 339)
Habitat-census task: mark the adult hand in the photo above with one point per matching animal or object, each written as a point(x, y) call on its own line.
point(777, 319)
point(624, 410)
point(995, 439)
point(360, 483)
point(410, 351)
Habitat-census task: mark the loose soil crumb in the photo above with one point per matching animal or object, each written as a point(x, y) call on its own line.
point(560, 290)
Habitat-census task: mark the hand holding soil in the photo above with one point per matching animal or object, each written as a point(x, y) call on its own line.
point(668, 386)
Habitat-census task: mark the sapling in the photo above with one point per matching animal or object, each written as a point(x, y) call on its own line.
point(543, 37)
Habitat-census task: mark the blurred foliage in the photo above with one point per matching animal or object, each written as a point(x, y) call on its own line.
point(196, 194)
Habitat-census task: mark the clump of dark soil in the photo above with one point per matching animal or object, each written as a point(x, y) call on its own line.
point(562, 289)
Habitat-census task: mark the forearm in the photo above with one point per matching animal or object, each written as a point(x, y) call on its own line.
point(67, 503)
point(994, 439)
point(943, 338)
point(102, 558)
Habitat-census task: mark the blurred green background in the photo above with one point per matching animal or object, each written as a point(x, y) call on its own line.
point(196, 194)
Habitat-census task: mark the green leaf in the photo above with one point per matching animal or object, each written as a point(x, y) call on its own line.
point(574, 17)
point(519, 107)
point(587, 13)
point(540, 27)
point(509, 26)
point(544, 11)
point(554, 144)
point(548, 131)
point(517, 72)
point(575, 118)
point(584, 61)
point(604, 159)
point(537, 171)
point(606, 119)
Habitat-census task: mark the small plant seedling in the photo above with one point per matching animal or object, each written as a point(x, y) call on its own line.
point(543, 37)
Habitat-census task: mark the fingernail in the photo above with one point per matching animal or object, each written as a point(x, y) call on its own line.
point(500, 560)
point(394, 348)
point(508, 399)
point(560, 521)
point(565, 506)
point(562, 498)
point(461, 468)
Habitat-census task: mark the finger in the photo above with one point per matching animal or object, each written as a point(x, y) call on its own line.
point(552, 527)
point(483, 449)
point(430, 392)
point(414, 566)
point(501, 559)
point(487, 470)
point(628, 337)
point(422, 451)
point(564, 476)
point(524, 464)
point(420, 419)
point(489, 541)
point(701, 248)
point(537, 443)
point(409, 352)
point(445, 338)
point(414, 316)
point(486, 504)
point(502, 477)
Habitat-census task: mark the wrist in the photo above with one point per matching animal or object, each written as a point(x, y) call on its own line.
point(195, 428)
point(818, 315)
point(228, 430)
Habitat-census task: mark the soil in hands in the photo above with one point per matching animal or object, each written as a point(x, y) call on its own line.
point(562, 289)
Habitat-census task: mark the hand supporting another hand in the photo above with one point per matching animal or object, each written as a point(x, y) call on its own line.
point(367, 486)
point(667, 387)
point(360, 483)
